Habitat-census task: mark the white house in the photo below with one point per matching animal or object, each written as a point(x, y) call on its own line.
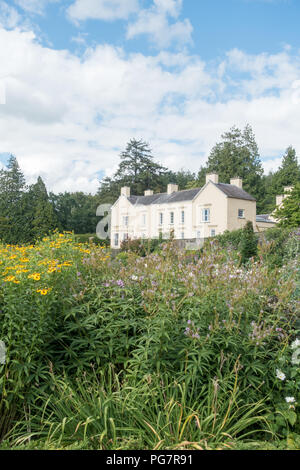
point(191, 214)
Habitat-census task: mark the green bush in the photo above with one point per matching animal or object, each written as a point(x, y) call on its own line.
point(91, 237)
point(141, 247)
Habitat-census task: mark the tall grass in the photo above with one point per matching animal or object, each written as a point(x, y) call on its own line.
point(110, 411)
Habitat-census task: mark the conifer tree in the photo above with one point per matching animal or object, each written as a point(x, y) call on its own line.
point(12, 189)
point(44, 219)
point(248, 243)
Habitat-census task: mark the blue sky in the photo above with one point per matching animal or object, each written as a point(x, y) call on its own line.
point(81, 77)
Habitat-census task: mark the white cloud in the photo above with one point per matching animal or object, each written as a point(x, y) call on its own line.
point(68, 117)
point(9, 17)
point(156, 23)
point(34, 6)
point(107, 10)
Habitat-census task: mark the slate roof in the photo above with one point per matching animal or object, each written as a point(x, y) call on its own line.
point(165, 198)
point(235, 192)
point(188, 195)
point(264, 218)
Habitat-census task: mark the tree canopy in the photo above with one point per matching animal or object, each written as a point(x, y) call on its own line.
point(289, 212)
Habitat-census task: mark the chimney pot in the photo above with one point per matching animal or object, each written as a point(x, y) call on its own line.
point(212, 177)
point(125, 191)
point(237, 182)
point(172, 188)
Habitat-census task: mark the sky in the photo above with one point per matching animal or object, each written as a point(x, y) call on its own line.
point(80, 78)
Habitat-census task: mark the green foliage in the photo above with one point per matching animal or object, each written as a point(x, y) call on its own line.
point(141, 247)
point(288, 173)
point(237, 155)
point(143, 352)
point(76, 212)
point(232, 239)
point(91, 238)
point(248, 244)
point(136, 169)
point(43, 219)
point(12, 203)
point(289, 213)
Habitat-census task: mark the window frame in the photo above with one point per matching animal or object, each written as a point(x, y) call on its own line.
point(204, 211)
point(243, 212)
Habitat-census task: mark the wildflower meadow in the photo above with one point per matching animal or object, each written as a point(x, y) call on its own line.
point(171, 349)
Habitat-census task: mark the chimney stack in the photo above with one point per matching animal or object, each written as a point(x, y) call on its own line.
point(125, 191)
point(237, 182)
point(279, 200)
point(212, 177)
point(149, 192)
point(172, 188)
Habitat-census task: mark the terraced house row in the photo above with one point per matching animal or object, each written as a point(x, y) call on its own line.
point(191, 215)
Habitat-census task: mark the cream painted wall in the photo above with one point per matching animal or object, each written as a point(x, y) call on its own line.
point(211, 198)
point(262, 226)
point(144, 221)
point(233, 221)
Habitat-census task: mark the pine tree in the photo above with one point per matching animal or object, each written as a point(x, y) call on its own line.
point(237, 155)
point(12, 190)
point(248, 243)
point(288, 173)
point(137, 169)
point(43, 217)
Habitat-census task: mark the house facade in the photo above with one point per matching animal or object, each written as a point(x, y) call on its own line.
point(193, 214)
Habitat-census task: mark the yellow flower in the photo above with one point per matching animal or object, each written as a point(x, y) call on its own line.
point(51, 270)
point(43, 291)
point(35, 276)
point(11, 279)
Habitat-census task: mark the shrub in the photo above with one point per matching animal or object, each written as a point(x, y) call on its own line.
point(92, 237)
point(248, 244)
point(141, 247)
